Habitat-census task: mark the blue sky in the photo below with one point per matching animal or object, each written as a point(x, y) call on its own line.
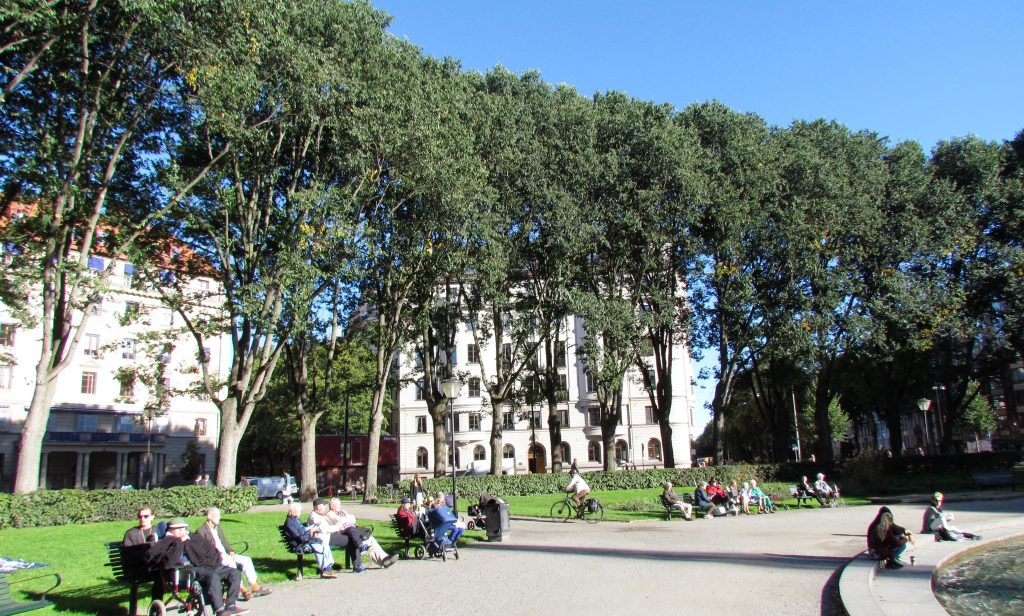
point(907, 70)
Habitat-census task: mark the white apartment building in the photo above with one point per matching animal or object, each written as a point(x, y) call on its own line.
point(98, 435)
point(637, 439)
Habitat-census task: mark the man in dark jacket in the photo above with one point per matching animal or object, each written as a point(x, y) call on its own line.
point(177, 549)
point(137, 541)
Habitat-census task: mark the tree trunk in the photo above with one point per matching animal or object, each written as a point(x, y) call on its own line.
point(438, 417)
point(555, 436)
point(30, 453)
point(373, 447)
point(496, 441)
point(666, 438)
point(608, 443)
point(307, 462)
point(227, 454)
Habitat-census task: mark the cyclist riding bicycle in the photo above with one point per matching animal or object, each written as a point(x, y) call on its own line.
point(580, 490)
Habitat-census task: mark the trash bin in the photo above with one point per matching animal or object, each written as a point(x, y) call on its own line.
point(497, 520)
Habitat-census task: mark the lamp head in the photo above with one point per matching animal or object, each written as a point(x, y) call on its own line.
point(924, 404)
point(451, 388)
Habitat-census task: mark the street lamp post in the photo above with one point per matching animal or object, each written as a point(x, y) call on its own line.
point(938, 414)
point(450, 388)
point(924, 404)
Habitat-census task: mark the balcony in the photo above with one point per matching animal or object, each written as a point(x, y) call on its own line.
point(127, 438)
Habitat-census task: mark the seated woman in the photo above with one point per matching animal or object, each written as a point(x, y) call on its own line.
point(764, 503)
point(745, 498)
point(732, 494)
point(939, 522)
point(716, 492)
point(673, 500)
point(887, 541)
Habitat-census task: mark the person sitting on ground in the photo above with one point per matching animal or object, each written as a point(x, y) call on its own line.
point(343, 520)
point(822, 490)
point(764, 502)
point(137, 541)
point(580, 490)
point(212, 532)
point(443, 521)
point(672, 500)
point(177, 548)
point(716, 493)
point(938, 522)
point(406, 518)
point(887, 541)
point(330, 534)
point(304, 535)
point(701, 502)
point(805, 490)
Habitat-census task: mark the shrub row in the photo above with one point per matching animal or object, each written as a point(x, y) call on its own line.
point(525, 485)
point(60, 507)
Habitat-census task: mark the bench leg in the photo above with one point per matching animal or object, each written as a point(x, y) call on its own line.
point(298, 566)
point(133, 599)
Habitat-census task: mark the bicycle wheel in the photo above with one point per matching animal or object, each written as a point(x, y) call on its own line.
point(562, 510)
point(596, 516)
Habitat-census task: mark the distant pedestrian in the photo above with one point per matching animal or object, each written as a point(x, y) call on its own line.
point(573, 468)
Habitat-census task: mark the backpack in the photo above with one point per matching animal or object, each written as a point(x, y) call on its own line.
point(592, 505)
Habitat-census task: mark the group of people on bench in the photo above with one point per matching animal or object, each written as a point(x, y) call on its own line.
point(149, 553)
point(820, 490)
point(329, 526)
point(714, 500)
point(434, 513)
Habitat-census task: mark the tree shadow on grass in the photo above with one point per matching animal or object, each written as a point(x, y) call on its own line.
point(107, 599)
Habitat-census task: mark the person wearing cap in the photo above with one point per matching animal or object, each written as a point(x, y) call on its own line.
point(406, 518)
point(177, 548)
point(331, 534)
point(214, 533)
point(939, 522)
point(822, 490)
point(343, 520)
point(136, 543)
point(306, 535)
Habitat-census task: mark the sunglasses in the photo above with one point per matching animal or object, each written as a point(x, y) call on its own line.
point(143, 517)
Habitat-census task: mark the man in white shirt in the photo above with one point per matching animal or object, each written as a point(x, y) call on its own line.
point(580, 490)
point(332, 534)
point(343, 520)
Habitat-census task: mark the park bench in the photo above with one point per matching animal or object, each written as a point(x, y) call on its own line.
point(398, 533)
point(9, 606)
point(994, 479)
point(794, 492)
point(133, 578)
point(301, 549)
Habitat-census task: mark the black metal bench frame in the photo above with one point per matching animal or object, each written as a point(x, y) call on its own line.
point(9, 606)
point(301, 550)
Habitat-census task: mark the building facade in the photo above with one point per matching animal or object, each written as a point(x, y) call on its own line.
point(106, 421)
point(637, 438)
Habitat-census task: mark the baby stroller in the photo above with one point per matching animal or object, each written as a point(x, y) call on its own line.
point(477, 519)
point(186, 594)
point(835, 499)
point(436, 543)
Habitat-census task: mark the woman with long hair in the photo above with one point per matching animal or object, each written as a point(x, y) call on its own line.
point(887, 540)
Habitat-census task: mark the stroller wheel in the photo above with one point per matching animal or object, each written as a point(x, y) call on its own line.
point(157, 608)
point(419, 552)
point(471, 525)
point(455, 553)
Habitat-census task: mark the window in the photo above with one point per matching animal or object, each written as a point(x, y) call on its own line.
point(566, 452)
point(97, 307)
point(6, 376)
point(92, 345)
point(594, 416)
point(7, 334)
point(590, 383)
point(200, 428)
point(86, 422)
point(508, 421)
point(5, 416)
point(621, 451)
point(458, 458)
point(563, 415)
point(472, 354)
point(421, 424)
point(474, 422)
point(419, 389)
point(456, 421)
point(562, 395)
point(474, 387)
point(129, 275)
point(454, 358)
point(167, 278)
point(128, 386)
point(652, 377)
point(125, 424)
point(131, 310)
point(95, 264)
point(508, 452)
point(560, 354)
point(654, 449)
point(204, 285)
point(421, 457)
point(535, 419)
point(479, 453)
point(649, 415)
point(88, 382)
point(593, 451)
point(506, 355)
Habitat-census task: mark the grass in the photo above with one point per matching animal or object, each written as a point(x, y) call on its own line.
point(78, 554)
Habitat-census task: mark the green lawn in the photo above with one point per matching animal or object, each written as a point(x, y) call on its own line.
point(77, 552)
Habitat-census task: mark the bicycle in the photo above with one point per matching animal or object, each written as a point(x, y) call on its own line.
point(593, 510)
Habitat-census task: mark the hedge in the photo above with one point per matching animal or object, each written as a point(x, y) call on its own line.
point(546, 483)
point(60, 507)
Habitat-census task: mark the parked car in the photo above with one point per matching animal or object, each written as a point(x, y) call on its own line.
point(281, 488)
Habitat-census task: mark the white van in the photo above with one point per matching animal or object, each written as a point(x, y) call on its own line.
point(275, 487)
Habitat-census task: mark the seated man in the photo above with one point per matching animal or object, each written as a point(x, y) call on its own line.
point(701, 500)
point(137, 541)
point(444, 522)
point(805, 490)
point(212, 532)
point(822, 490)
point(343, 520)
point(580, 490)
point(300, 535)
point(406, 518)
point(177, 549)
point(674, 501)
point(332, 535)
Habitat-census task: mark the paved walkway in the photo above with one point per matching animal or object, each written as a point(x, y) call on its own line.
point(766, 564)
